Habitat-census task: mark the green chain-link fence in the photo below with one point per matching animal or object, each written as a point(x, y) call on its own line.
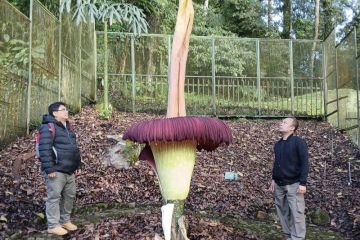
point(62, 66)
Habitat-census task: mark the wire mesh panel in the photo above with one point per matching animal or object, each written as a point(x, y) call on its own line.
point(45, 61)
point(14, 66)
point(347, 85)
point(275, 77)
point(236, 81)
point(346, 78)
point(150, 76)
point(198, 82)
point(26, 91)
point(330, 79)
point(120, 90)
point(119, 53)
point(224, 76)
point(88, 66)
point(70, 62)
point(308, 78)
point(119, 69)
point(138, 82)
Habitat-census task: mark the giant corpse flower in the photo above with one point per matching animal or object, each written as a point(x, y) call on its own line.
point(170, 149)
point(171, 143)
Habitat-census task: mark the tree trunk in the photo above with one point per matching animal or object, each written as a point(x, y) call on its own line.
point(316, 35)
point(270, 9)
point(287, 23)
point(327, 6)
point(206, 7)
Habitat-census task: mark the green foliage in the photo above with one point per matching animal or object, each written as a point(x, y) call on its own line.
point(14, 55)
point(122, 13)
point(232, 56)
point(132, 151)
point(105, 112)
point(14, 49)
point(243, 17)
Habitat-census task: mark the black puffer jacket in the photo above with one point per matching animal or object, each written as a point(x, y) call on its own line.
point(66, 157)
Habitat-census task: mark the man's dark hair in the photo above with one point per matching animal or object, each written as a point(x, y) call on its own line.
point(54, 107)
point(295, 123)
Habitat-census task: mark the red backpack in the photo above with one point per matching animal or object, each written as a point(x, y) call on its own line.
point(38, 136)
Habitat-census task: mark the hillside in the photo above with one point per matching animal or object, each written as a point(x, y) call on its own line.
point(214, 204)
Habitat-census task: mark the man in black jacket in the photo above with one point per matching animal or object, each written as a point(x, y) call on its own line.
point(60, 158)
point(289, 176)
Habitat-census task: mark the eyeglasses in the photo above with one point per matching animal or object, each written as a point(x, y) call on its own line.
point(64, 109)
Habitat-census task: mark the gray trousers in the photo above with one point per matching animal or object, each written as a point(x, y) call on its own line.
point(290, 207)
point(61, 192)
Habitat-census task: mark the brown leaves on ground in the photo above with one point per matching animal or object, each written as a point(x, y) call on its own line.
point(22, 190)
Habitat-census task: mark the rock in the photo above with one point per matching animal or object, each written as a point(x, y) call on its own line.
point(319, 217)
point(260, 215)
point(132, 205)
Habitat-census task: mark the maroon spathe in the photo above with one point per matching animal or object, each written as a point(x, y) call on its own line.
point(208, 133)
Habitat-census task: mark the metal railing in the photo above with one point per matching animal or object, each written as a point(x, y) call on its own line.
point(225, 76)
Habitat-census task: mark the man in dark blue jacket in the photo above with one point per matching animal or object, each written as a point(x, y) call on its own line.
point(60, 158)
point(289, 176)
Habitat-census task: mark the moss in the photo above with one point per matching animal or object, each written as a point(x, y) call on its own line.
point(261, 229)
point(319, 217)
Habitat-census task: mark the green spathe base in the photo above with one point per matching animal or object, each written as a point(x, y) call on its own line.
point(175, 164)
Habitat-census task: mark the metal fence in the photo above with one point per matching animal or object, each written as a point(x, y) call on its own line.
point(342, 78)
point(241, 77)
point(42, 59)
point(225, 76)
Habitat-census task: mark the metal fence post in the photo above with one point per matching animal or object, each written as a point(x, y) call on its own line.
point(325, 96)
point(336, 86)
point(213, 71)
point(80, 64)
point(133, 80)
point(291, 76)
point(60, 56)
point(28, 104)
point(357, 86)
point(94, 89)
point(258, 75)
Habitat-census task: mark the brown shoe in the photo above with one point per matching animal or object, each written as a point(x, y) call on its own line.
point(69, 226)
point(57, 231)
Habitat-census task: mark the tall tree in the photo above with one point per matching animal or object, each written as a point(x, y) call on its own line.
point(316, 35)
point(328, 16)
point(269, 14)
point(287, 21)
point(244, 17)
point(206, 7)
